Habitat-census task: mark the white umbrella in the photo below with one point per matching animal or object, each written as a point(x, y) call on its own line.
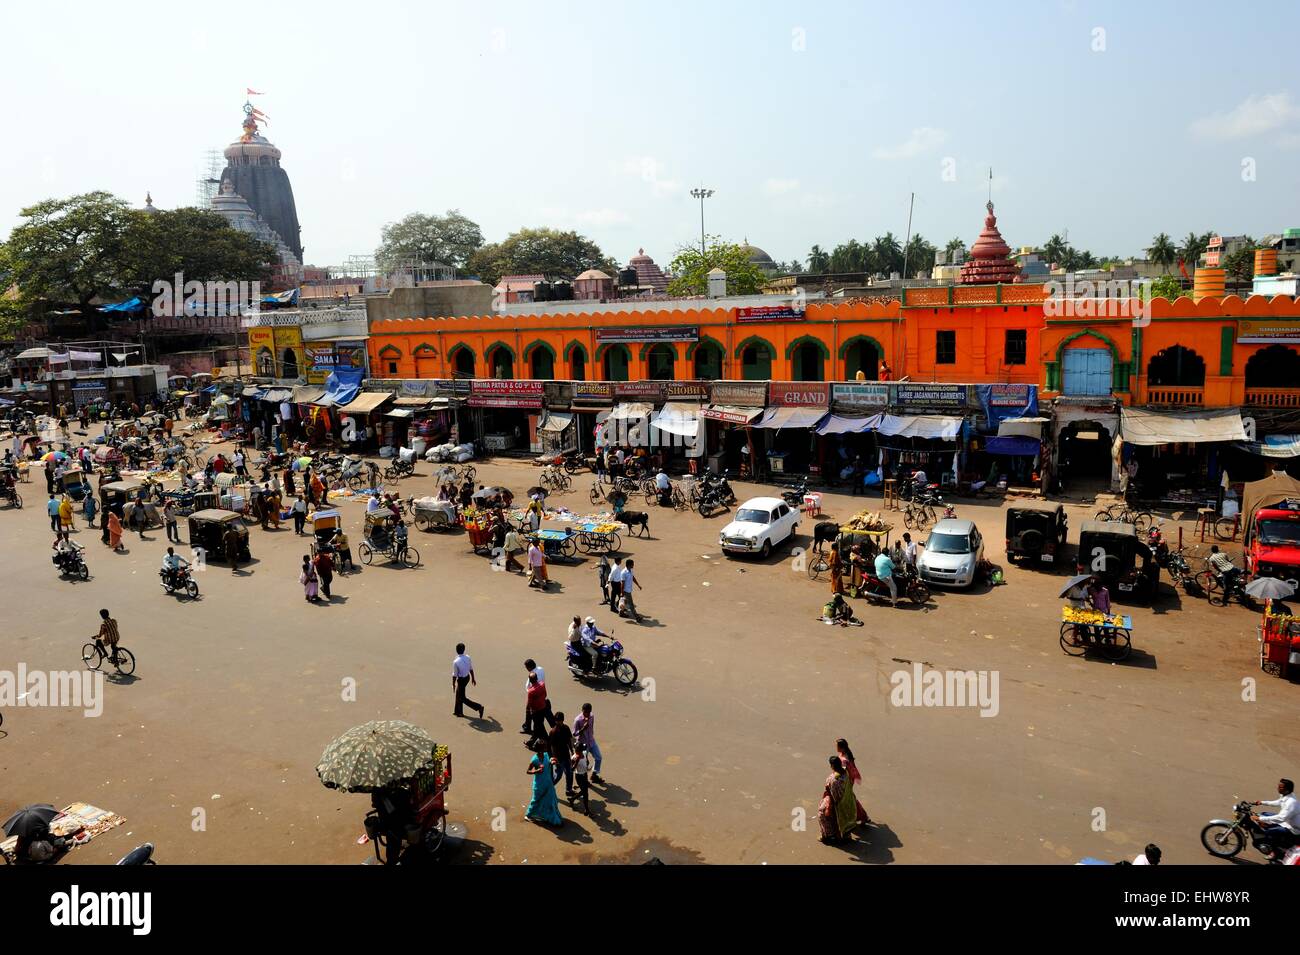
point(1269, 588)
point(1074, 582)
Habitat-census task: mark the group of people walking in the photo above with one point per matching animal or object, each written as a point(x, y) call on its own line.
point(840, 812)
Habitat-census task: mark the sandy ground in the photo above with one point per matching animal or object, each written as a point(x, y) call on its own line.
point(210, 751)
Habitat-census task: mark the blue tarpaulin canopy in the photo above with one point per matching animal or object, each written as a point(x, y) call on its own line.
point(130, 305)
point(341, 386)
point(1013, 446)
point(282, 298)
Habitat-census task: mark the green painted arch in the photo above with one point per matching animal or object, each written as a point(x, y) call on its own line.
point(569, 348)
point(705, 340)
point(425, 348)
point(791, 348)
point(544, 346)
point(460, 347)
point(1060, 349)
point(604, 349)
point(645, 349)
point(390, 351)
point(861, 340)
point(756, 340)
point(500, 344)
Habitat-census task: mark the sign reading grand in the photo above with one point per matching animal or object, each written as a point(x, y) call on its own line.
point(934, 395)
point(505, 393)
point(1264, 330)
point(663, 333)
point(799, 394)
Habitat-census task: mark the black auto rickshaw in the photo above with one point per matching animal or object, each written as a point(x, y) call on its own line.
point(208, 531)
point(1113, 552)
point(75, 484)
point(123, 497)
point(1036, 532)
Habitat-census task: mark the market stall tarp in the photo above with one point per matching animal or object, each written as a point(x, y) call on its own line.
point(1273, 446)
point(365, 402)
point(1142, 426)
point(732, 414)
point(252, 391)
point(278, 395)
point(307, 394)
point(1022, 427)
point(631, 410)
point(847, 424)
point(342, 387)
point(556, 422)
point(1013, 446)
point(777, 418)
point(920, 426)
point(679, 417)
point(1277, 487)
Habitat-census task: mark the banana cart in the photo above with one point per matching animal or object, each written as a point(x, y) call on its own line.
point(1106, 633)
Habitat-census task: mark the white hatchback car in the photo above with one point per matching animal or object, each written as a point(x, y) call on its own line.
point(761, 523)
point(952, 554)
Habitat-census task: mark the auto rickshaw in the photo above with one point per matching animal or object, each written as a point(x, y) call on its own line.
point(75, 484)
point(325, 526)
point(1113, 552)
point(123, 496)
point(208, 531)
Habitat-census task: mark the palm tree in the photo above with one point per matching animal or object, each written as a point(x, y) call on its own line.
point(1161, 252)
point(954, 246)
point(1054, 251)
point(818, 260)
point(1192, 247)
point(887, 253)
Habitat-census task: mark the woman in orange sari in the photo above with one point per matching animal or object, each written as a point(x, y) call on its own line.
point(855, 777)
point(114, 531)
point(837, 569)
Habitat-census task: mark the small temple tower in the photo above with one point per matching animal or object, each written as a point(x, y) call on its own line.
point(989, 260)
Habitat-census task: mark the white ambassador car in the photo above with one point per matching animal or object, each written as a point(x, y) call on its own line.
point(761, 523)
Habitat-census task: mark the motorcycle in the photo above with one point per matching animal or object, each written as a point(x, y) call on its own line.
point(910, 586)
point(711, 500)
point(609, 660)
point(399, 469)
point(1226, 838)
point(723, 486)
point(1180, 571)
point(794, 494)
point(178, 580)
point(71, 563)
point(140, 855)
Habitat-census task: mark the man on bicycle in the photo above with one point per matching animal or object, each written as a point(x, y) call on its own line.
point(108, 635)
point(1223, 568)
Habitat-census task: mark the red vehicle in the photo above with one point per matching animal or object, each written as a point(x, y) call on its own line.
point(410, 814)
point(1273, 541)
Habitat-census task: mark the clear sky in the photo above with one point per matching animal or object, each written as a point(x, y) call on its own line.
point(812, 120)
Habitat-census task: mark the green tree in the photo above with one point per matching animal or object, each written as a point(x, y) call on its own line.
point(1054, 251)
point(68, 251)
point(1240, 265)
point(1166, 287)
point(1161, 252)
point(691, 269)
point(1192, 248)
point(887, 253)
point(450, 239)
point(919, 255)
point(819, 261)
point(954, 245)
point(197, 243)
point(547, 252)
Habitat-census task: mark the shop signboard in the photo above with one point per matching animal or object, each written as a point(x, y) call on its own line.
point(451, 387)
point(859, 396)
point(350, 354)
point(741, 394)
point(559, 394)
point(770, 313)
point(646, 333)
point(647, 390)
point(917, 396)
point(321, 361)
point(599, 393)
point(686, 391)
point(799, 394)
point(1007, 401)
point(505, 393)
point(1267, 330)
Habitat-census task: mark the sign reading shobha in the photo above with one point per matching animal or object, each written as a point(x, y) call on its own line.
point(798, 394)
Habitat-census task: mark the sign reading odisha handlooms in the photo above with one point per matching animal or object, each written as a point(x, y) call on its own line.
point(914, 395)
point(685, 390)
point(741, 394)
point(663, 333)
point(798, 394)
point(847, 396)
point(639, 389)
point(505, 393)
point(770, 313)
point(1263, 330)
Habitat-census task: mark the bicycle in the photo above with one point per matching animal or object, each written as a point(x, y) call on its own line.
point(93, 656)
point(818, 564)
point(1126, 514)
point(918, 515)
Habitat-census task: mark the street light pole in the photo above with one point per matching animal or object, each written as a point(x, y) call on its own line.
point(701, 193)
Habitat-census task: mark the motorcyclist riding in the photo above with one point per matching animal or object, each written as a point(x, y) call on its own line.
point(172, 564)
point(1284, 825)
point(590, 635)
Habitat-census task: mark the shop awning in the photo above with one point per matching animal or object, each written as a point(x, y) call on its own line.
point(400, 413)
point(679, 417)
point(731, 414)
point(366, 402)
point(920, 426)
point(307, 394)
point(278, 395)
point(252, 391)
point(1014, 446)
point(1023, 427)
point(1273, 446)
point(840, 424)
point(556, 422)
point(1142, 426)
point(777, 418)
point(630, 410)
point(410, 401)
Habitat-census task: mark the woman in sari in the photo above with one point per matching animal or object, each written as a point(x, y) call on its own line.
point(114, 531)
point(836, 568)
point(855, 777)
point(65, 515)
point(310, 582)
point(545, 805)
point(836, 815)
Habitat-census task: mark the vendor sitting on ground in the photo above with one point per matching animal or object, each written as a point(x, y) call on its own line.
point(837, 610)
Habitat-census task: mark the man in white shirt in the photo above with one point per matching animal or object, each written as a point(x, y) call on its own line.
point(590, 636)
point(630, 583)
point(462, 673)
point(920, 479)
point(909, 550)
point(1286, 821)
point(373, 504)
point(1149, 856)
point(664, 487)
point(615, 584)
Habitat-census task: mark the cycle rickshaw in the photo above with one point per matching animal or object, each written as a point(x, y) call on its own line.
point(381, 537)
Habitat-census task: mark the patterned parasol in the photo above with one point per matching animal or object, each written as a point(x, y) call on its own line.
point(376, 754)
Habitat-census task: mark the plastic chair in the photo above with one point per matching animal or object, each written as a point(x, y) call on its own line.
point(812, 504)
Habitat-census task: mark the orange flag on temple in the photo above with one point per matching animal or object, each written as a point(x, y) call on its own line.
point(252, 92)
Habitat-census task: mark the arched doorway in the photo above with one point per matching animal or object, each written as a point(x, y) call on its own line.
point(1084, 452)
point(541, 363)
point(660, 361)
point(708, 361)
point(1276, 366)
point(463, 362)
point(426, 363)
point(756, 361)
point(807, 363)
point(578, 363)
point(289, 364)
point(1176, 366)
point(862, 356)
point(501, 364)
point(616, 361)
point(266, 363)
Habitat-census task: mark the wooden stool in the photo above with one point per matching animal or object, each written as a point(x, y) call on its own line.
point(1204, 521)
point(890, 488)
